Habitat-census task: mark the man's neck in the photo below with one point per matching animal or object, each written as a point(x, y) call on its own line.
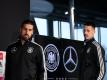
point(23, 41)
point(88, 40)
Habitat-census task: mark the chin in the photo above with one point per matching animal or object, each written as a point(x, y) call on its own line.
point(88, 39)
point(25, 38)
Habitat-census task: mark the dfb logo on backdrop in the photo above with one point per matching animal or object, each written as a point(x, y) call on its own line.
point(51, 57)
point(70, 59)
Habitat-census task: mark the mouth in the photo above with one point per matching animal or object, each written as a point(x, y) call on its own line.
point(86, 36)
point(26, 37)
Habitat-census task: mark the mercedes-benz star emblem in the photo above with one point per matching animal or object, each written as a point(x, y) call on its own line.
point(70, 59)
point(51, 57)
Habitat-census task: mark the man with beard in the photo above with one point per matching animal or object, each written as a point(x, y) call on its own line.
point(24, 58)
point(93, 65)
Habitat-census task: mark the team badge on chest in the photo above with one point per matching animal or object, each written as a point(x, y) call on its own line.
point(30, 49)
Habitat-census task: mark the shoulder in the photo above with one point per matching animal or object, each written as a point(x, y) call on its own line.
point(38, 48)
point(36, 44)
point(13, 44)
point(97, 45)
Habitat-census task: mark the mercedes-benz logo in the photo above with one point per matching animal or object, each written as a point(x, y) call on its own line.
point(70, 59)
point(51, 57)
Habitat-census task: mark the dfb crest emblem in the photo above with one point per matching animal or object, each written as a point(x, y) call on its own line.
point(51, 57)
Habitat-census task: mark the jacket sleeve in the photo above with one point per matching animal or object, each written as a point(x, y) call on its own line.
point(100, 60)
point(42, 73)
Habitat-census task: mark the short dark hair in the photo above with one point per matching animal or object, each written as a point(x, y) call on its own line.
point(28, 21)
point(89, 23)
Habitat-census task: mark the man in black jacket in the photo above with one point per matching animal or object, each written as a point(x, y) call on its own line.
point(93, 66)
point(24, 58)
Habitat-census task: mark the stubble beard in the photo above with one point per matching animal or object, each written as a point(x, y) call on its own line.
point(25, 37)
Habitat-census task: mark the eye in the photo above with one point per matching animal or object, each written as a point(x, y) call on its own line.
point(30, 29)
point(88, 30)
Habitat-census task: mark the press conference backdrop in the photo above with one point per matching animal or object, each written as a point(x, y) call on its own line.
point(62, 57)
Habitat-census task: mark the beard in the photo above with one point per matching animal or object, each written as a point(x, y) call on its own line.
point(25, 37)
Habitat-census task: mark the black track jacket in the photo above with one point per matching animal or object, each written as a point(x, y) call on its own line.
point(25, 62)
point(93, 66)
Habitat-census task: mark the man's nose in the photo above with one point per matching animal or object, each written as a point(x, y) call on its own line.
point(85, 32)
point(27, 31)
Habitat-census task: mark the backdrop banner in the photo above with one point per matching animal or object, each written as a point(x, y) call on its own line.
point(62, 57)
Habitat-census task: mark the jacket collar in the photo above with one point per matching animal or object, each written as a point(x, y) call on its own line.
point(20, 41)
point(89, 41)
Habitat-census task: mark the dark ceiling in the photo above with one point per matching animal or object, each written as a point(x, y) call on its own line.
point(94, 10)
